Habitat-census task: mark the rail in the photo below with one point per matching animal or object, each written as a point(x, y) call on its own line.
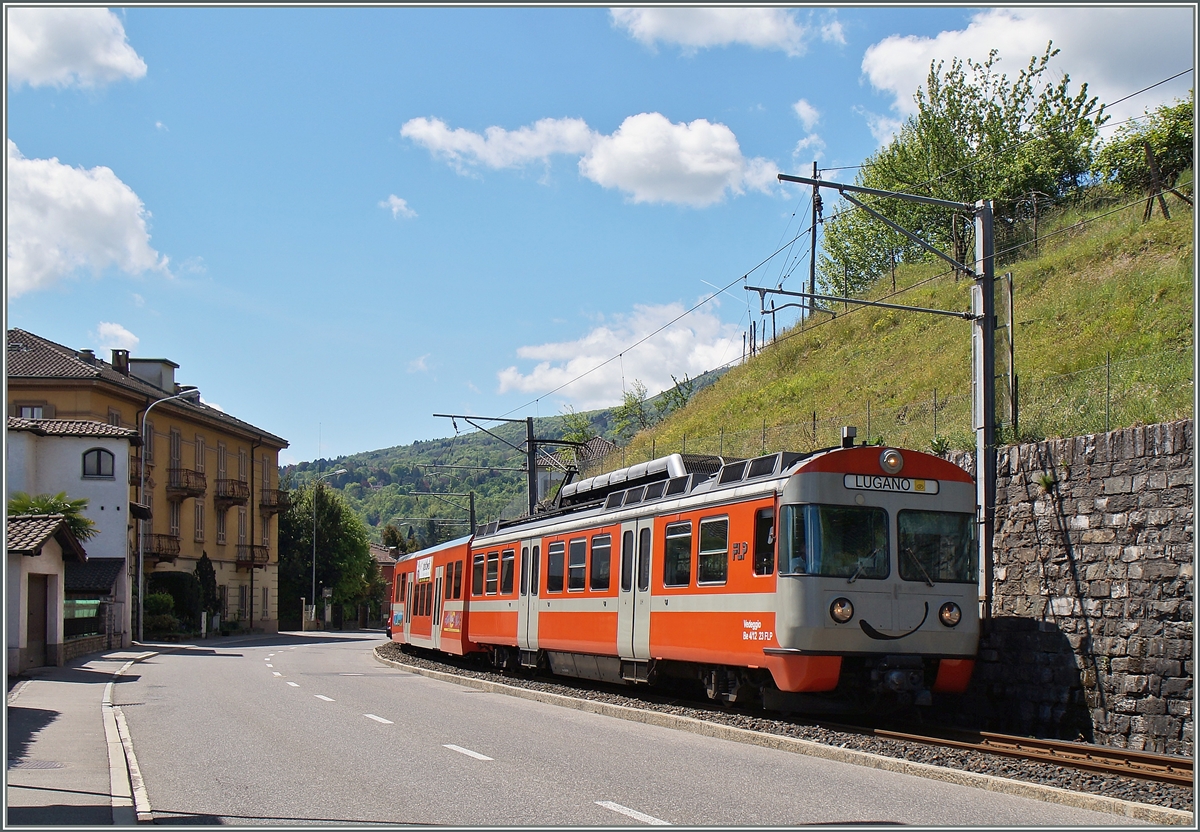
point(1162, 768)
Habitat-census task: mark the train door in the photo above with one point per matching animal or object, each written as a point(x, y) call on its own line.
point(410, 605)
point(436, 632)
point(530, 587)
point(633, 606)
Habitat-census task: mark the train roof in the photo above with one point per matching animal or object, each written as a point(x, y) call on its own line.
point(424, 553)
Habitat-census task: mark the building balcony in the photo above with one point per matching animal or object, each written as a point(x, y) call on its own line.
point(135, 470)
point(161, 547)
point(275, 500)
point(231, 493)
point(252, 557)
point(183, 483)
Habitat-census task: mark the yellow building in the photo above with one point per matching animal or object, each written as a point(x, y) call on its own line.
point(212, 482)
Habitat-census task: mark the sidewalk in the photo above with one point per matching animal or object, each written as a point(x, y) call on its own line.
point(66, 765)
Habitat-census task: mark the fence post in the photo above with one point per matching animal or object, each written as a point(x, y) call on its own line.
point(935, 433)
point(1107, 386)
point(763, 452)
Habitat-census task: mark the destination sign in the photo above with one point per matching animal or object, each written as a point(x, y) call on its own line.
point(903, 485)
point(424, 569)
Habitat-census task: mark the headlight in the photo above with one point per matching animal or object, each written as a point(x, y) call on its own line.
point(891, 461)
point(841, 610)
point(950, 614)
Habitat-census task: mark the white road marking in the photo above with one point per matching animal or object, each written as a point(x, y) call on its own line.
point(632, 813)
point(270, 665)
point(293, 684)
point(350, 674)
point(276, 673)
point(379, 719)
point(466, 751)
point(325, 698)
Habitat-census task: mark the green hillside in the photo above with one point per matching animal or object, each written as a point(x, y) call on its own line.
point(1103, 336)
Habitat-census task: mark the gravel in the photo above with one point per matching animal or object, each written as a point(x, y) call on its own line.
point(1109, 785)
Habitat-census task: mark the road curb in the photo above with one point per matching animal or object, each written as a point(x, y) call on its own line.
point(987, 782)
point(130, 803)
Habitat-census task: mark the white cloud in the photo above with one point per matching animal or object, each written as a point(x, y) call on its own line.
point(65, 47)
point(138, 300)
point(810, 149)
point(497, 147)
point(700, 28)
point(832, 32)
point(419, 365)
point(159, 125)
point(654, 160)
point(213, 405)
point(648, 157)
point(807, 113)
point(398, 207)
point(62, 218)
point(1116, 51)
point(697, 343)
point(110, 336)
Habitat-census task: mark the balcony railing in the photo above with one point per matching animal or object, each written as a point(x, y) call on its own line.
point(275, 500)
point(232, 493)
point(163, 547)
point(184, 482)
point(135, 469)
point(252, 557)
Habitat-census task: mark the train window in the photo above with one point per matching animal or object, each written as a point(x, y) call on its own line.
point(712, 562)
point(643, 583)
point(655, 490)
point(937, 546)
point(833, 541)
point(634, 495)
point(507, 560)
point(428, 599)
point(449, 582)
point(627, 561)
point(535, 575)
point(677, 555)
point(764, 541)
point(614, 500)
point(677, 486)
point(555, 557)
point(477, 575)
point(601, 555)
point(400, 589)
point(576, 564)
point(458, 570)
point(524, 571)
point(493, 572)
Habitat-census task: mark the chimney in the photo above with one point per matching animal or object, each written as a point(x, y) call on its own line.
point(87, 356)
point(120, 361)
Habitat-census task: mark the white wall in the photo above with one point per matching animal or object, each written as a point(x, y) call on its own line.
point(20, 567)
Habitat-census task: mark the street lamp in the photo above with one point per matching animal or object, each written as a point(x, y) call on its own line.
point(317, 483)
point(193, 395)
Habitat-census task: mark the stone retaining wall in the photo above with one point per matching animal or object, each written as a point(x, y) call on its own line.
point(1091, 634)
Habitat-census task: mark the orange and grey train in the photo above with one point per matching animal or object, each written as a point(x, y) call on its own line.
point(846, 576)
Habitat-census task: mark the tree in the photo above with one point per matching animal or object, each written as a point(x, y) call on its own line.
point(344, 561)
point(576, 426)
point(394, 539)
point(976, 135)
point(81, 526)
point(634, 413)
point(1169, 132)
point(675, 398)
point(210, 601)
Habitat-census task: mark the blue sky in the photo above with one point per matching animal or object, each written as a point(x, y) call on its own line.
point(341, 221)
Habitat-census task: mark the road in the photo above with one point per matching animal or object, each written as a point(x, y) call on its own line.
point(311, 730)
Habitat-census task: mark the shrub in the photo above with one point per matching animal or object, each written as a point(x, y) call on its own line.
point(165, 623)
point(184, 589)
point(159, 604)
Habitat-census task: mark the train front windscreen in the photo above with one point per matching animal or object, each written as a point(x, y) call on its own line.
point(852, 542)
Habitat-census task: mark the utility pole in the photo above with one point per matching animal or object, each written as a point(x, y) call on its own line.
point(812, 254)
point(983, 354)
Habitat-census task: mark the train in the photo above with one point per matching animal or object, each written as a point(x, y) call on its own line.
point(841, 578)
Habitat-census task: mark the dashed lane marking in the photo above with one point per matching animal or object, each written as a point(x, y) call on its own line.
point(293, 684)
point(466, 751)
point(270, 665)
point(379, 719)
point(322, 698)
point(276, 673)
point(632, 813)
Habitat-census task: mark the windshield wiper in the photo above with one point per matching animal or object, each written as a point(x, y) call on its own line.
point(917, 561)
point(862, 565)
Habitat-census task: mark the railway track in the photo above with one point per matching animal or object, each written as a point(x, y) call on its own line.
point(1161, 768)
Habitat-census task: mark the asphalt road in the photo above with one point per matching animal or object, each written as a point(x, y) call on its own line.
point(311, 730)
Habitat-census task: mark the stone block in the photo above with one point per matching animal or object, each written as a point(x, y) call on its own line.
point(1099, 536)
point(1117, 485)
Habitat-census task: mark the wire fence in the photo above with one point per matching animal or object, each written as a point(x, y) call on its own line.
point(1143, 390)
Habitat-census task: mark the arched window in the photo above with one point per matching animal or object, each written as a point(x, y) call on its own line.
point(98, 463)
